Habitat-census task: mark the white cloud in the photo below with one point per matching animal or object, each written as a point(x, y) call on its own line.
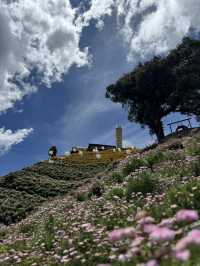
point(9, 138)
point(39, 36)
point(152, 27)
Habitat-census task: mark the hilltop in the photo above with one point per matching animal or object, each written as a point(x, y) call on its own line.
point(79, 201)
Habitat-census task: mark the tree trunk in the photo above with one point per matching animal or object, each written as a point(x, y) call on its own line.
point(158, 129)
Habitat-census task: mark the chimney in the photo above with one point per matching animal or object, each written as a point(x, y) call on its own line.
point(119, 137)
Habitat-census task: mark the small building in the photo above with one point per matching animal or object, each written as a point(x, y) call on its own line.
point(100, 147)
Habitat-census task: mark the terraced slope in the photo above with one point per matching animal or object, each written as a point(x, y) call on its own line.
point(22, 191)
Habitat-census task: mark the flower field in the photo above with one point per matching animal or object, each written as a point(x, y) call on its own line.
point(144, 212)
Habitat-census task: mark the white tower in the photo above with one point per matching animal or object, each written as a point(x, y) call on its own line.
point(119, 137)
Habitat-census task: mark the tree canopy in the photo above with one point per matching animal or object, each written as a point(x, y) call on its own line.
point(163, 85)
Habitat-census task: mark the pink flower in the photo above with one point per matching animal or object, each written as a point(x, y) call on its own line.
point(182, 255)
point(149, 228)
point(187, 216)
point(116, 235)
point(146, 220)
point(162, 234)
point(87, 226)
point(192, 238)
point(151, 263)
point(129, 232)
point(137, 241)
point(167, 222)
point(119, 234)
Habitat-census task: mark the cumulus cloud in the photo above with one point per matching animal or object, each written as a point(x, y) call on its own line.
point(153, 27)
point(39, 37)
point(9, 138)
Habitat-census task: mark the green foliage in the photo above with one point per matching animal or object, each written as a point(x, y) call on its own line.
point(117, 177)
point(186, 196)
point(49, 233)
point(116, 191)
point(131, 166)
point(22, 191)
point(154, 158)
point(195, 168)
point(81, 196)
point(144, 183)
point(34, 184)
point(194, 148)
point(14, 205)
point(27, 229)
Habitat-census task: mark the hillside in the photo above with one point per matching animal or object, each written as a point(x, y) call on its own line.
point(22, 191)
point(143, 200)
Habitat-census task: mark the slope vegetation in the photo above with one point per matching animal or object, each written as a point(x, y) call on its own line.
point(145, 212)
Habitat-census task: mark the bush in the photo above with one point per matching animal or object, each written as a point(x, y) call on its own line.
point(14, 205)
point(154, 158)
point(134, 164)
point(144, 183)
point(97, 190)
point(49, 233)
point(176, 146)
point(116, 191)
point(195, 169)
point(27, 229)
point(194, 149)
point(81, 196)
point(117, 177)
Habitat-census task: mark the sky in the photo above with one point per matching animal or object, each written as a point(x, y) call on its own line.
point(58, 56)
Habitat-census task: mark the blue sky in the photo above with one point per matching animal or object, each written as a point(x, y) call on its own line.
point(59, 96)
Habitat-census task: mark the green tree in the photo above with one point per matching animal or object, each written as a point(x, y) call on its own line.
point(164, 85)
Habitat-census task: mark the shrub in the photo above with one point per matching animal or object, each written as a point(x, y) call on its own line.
point(195, 168)
point(97, 190)
point(81, 196)
point(116, 191)
point(194, 148)
point(27, 229)
point(175, 146)
point(49, 233)
point(144, 183)
point(117, 177)
point(154, 158)
point(134, 164)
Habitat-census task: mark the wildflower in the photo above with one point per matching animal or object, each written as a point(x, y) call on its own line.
point(119, 234)
point(182, 255)
point(187, 216)
point(146, 220)
point(151, 263)
point(192, 238)
point(137, 241)
point(162, 234)
point(122, 258)
point(149, 228)
point(174, 206)
point(167, 222)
